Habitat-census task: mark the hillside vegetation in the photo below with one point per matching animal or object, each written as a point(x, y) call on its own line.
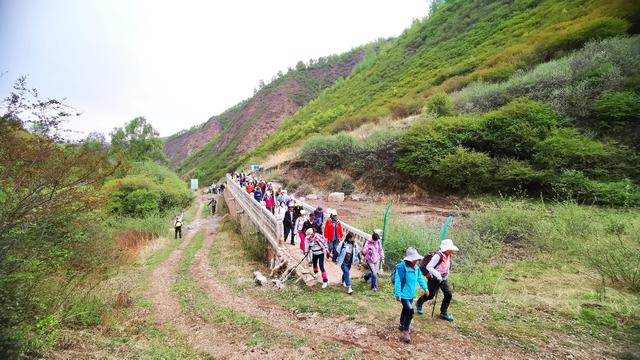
point(203, 150)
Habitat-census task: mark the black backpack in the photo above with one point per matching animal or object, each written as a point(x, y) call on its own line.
point(427, 259)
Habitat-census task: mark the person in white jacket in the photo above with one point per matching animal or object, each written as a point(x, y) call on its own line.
point(437, 278)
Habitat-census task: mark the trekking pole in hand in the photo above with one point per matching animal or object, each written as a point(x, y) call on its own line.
point(435, 299)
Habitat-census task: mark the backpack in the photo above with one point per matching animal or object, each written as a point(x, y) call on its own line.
point(402, 273)
point(427, 259)
point(178, 224)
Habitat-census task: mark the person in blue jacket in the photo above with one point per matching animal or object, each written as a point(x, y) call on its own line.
point(406, 280)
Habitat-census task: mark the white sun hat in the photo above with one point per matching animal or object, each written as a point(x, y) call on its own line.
point(309, 231)
point(412, 255)
point(303, 212)
point(333, 212)
point(447, 244)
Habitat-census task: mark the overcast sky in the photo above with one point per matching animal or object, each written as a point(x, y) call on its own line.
point(176, 62)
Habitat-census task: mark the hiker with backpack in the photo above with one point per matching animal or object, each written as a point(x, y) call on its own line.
point(333, 233)
point(257, 194)
point(437, 266)
point(177, 225)
point(406, 277)
point(373, 255)
point(348, 254)
point(316, 244)
point(213, 202)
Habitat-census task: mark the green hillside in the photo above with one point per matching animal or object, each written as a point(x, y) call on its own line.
point(461, 42)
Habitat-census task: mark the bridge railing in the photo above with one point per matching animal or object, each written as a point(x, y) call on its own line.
point(267, 223)
point(271, 225)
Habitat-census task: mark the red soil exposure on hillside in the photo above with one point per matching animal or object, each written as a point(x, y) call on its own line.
point(263, 113)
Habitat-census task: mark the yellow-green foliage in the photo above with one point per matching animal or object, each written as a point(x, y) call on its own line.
point(149, 189)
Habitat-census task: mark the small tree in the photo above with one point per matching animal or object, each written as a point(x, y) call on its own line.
point(138, 141)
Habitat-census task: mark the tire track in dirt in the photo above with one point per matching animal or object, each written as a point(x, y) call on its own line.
point(376, 338)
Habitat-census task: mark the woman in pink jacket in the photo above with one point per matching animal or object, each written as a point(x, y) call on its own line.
point(373, 255)
point(269, 202)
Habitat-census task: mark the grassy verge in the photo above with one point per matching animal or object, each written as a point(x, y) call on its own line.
point(529, 271)
point(109, 329)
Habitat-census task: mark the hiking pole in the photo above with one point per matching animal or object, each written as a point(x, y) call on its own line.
point(285, 278)
point(435, 300)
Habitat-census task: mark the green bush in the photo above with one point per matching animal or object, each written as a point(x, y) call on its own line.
point(440, 105)
point(425, 143)
point(328, 152)
point(513, 226)
point(574, 185)
point(341, 183)
point(515, 175)
point(515, 129)
point(618, 106)
point(568, 149)
point(464, 170)
point(149, 189)
point(570, 84)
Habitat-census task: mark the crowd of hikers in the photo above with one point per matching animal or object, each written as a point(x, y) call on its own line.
point(323, 240)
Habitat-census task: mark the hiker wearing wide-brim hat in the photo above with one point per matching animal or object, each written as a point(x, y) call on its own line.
point(438, 278)
point(406, 277)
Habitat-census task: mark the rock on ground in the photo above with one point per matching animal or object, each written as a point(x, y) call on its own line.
point(336, 197)
point(260, 279)
point(312, 197)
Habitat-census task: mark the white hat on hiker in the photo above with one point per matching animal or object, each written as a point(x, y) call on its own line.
point(334, 212)
point(378, 231)
point(412, 255)
point(303, 212)
point(447, 244)
point(309, 232)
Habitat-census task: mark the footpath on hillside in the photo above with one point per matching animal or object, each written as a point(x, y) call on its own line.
point(370, 335)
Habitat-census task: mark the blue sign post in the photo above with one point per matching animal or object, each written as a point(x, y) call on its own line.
point(194, 184)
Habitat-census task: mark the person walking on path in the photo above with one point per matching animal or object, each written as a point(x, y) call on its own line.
point(257, 194)
point(438, 278)
point(289, 224)
point(406, 279)
point(333, 233)
point(373, 255)
point(213, 202)
point(318, 216)
point(348, 254)
point(316, 244)
point(308, 224)
point(299, 226)
point(269, 202)
point(177, 225)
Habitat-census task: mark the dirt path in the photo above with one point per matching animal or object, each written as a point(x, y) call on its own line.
point(376, 338)
point(206, 338)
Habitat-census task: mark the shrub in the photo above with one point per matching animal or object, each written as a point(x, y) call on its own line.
point(618, 106)
point(514, 226)
point(341, 183)
point(349, 123)
point(570, 84)
point(515, 129)
point(568, 149)
point(377, 158)
point(617, 260)
point(574, 185)
point(440, 105)
point(149, 189)
point(425, 143)
point(516, 175)
point(464, 170)
point(404, 108)
point(328, 152)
